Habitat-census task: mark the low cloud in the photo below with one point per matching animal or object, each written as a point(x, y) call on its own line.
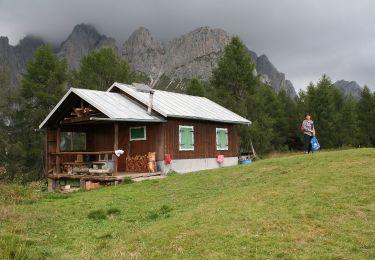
point(304, 39)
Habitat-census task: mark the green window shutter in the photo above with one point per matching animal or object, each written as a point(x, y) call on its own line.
point(138, 133)
point(222, 139)
point(186, 138)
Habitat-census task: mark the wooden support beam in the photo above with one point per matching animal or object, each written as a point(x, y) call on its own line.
point(58, 169)
point(83, 152)
point(115, 147)
point(51, 185)
point(45, 133)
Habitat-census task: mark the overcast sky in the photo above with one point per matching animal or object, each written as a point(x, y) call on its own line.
point(303, 38)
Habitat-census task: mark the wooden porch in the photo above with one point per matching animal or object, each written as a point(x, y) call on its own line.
point(97, 164)
point(67, 182)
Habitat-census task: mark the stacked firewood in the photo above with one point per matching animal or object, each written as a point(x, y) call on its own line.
point(141, 163)
point(151, 162)
point(138, 163)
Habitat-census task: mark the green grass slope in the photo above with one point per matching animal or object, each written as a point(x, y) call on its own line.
point(301, 206)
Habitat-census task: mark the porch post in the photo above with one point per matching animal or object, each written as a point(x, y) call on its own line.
point(45, 133)
point(58, 150)
point(115, 147)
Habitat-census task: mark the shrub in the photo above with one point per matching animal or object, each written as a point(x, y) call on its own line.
point(152, 215)
point(113, 211)
point(164, 211)
point(12, 248)
point(127, 180)
point(97, 214)
point(172, 173)
point(16, 194)
point(3, 173)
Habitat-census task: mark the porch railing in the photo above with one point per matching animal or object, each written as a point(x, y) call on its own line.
point(67, 166)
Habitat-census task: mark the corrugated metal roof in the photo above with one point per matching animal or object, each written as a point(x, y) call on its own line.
point(170, 104)
point(114, 105)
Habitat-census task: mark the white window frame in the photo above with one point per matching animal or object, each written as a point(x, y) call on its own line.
point(137, 139)
point(179, 137)
point(217, 140)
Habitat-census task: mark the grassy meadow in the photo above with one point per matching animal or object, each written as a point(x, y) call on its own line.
point(300, 206)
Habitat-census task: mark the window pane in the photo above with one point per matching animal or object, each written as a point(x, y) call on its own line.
point(72, 141)
point(137, 133)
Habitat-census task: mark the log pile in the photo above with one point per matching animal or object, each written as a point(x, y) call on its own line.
point(141, 163)
point(80, 112)
point(151, 162)
point(138, 163)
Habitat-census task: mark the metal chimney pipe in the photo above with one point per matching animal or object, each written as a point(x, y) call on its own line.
point(150, 102)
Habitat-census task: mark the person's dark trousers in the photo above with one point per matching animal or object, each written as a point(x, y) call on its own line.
point(306, 143)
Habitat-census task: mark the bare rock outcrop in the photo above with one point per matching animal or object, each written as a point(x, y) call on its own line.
point(82, 41)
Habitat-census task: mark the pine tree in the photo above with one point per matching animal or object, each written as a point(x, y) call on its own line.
point(349, 123)
point(324, 102)
point(233, 81)
point(288, 122)
point(265, 112)
point(234, 77)
point(366, 117)
point(5, 98)
point(41, 88)
point(100, 69)
point(195, 88)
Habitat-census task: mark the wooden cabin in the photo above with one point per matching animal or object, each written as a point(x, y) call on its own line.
point(101, 137)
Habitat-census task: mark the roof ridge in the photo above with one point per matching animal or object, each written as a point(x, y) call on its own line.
point(158, 90)
point(172, 104)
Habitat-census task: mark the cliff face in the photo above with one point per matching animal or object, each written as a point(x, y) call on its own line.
point(144, 54)
point(192, 55)
point(349, 88)
point(166, 64)
point(83, 40)
point(273, 77)
point(14, 58)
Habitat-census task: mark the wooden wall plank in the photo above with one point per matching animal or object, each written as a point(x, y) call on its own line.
point(115, 147)
point(205, 139)
point(154, 142)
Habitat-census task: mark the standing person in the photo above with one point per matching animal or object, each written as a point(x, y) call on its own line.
point(308, 133)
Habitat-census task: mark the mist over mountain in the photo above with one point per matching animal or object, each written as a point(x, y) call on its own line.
point(167, 64)
point(83, 39)
point(14, 58)
point(349, 88)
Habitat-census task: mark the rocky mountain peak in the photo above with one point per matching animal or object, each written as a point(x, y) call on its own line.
point(208, 31)
point(201, 41)
point(144, 53)
point(86, 29)
point(15, 58)
point(140, 40)
point(192, 55)
point(30, 40)
point(28, 45)
point(271, 76)
point(167, 64)
point(83, 39)
point(4, 41)
point(140, 34)
point(349, 88)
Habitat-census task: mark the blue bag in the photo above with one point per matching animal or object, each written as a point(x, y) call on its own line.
point(314, 144)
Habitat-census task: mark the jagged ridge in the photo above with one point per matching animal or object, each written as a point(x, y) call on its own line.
point(171, 63)
point(192, 55)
